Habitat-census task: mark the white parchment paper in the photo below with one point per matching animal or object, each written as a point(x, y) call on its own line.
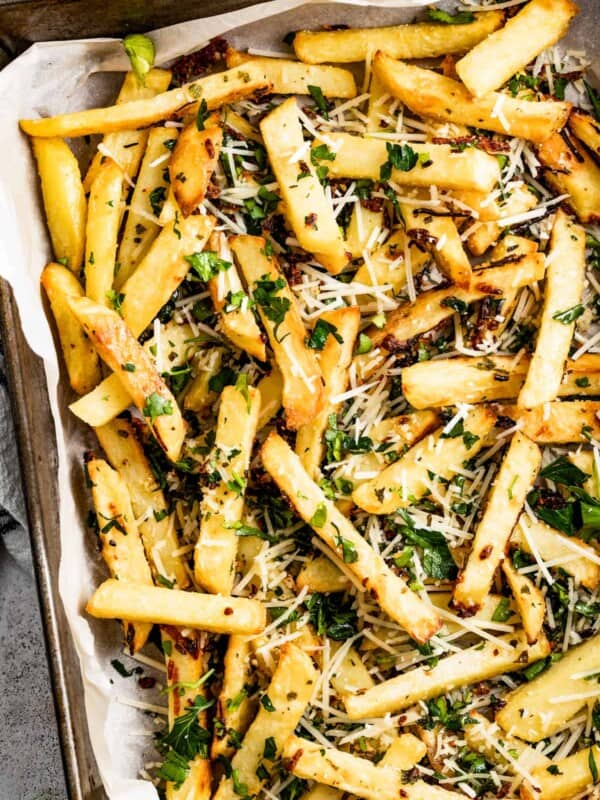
point(52, 78)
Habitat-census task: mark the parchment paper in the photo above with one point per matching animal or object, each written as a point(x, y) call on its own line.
point(53, 78)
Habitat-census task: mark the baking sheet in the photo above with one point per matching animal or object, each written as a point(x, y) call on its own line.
point(56, 77)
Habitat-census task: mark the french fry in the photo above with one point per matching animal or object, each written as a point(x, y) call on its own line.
point(234, 708)
point(231, 119)
point(126, 148)
point(125, 453)
point(467, 379)
point(81, 360)
point(354, 775)
point(186, 663)
point(162, 270)
point(392, 594)
point(150, 189)
point(199, 396)
point(585, 460)
point(485, 737)
point(562, 296)
point(528, 598)
point(239, 324)
point(109, 399)
point(302, 396)
point(560, 422)
point(118, 348)
point(432, 307)
point(223, 505)
point(432, 95)
point(289, 692)
point(193, 162)
point(511, 246)
point(307, 209)
point(292, 77)
point(404, 753)
point(568, 169)
point(102, 229)
point(387, 264)
point(443, 241)
point(357, 157)
point(321, 575)
point(586, 129)
point(538, 25)
point(518, 202)
point(407, 479)
point(321, 792)
point(363, 229)
point(216, 89)
point(350, 675)
point(64, 200)
point(423, 40)
point(478, 663)
point(206, 612)
point(569, 553)
point(336, 357)
point(566, 777)
point(122, 547)
point(514, 481)
point(527, 713)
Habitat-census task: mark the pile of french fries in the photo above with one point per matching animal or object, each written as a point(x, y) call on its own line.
point(340, 350)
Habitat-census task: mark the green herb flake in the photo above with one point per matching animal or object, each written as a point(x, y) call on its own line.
point(319, 518)
point(569, 315)
point(141, 53)
point(157, 406)
point(319, 334)
point(207, 264)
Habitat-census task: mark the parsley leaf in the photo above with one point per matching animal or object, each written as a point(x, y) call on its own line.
point(561, 470)
point(115, 301)
point(594, 99)
point(202, 115)
point(502, 612)
point(349, 553)
point(207, 264)
point(319, 334)
point(569, 315)
point(273, 307)
point(157, 406)
point(460, 18)
point(187, 737)
point(400, 156)
point(317, 95)
point(157, 198)
point(319, 518)
point(174, 769)
point(329, 616)
point(267, 703)
point(365, 345)
point(140, 50)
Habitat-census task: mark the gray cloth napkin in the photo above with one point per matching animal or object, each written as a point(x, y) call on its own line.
point(31, 766)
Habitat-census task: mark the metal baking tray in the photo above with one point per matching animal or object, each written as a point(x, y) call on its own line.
point(21, 23)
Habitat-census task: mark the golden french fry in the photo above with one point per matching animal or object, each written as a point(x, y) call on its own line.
point(216, 89)
point(568, 169)
point(363, 229)
point(485, 737)
point(560, 422)
point(390, 263)
point(289, 693)
point(467, 379)
point(423, 40)
point(162, 270)
point(336, 357)
point(292, 77)
point(431, 308)
point(566, 777)
point(64, 199)
point(206, 612)
point(81, 360)
point(309, 213)
point(193, 162)
point(358, 157)
point(186, 664)
point(270, 388)
point(126, 148)
point(103, 403)
point(222, 506)
point(302, 380)
point(234, 708)
point(118, 348)
point(517, 473)
point(529, 600)
point(122, 547)
point(477, 663)
point(569, 553)
point(538, 25)
point(101, 232)
point(321, 575)
point(120, 443)
point(562, 300)
point(586, 129)
point(527, 712)
point(391, 592)
point(354, 775)
point(149, 192)
point(518, 202)
point(432, 95)
point(408, 478)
